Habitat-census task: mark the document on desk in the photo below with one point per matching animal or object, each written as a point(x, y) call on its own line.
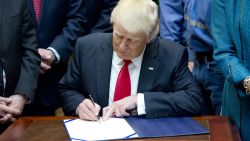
point(162, 127)
point(132, 127)
point(114, 128)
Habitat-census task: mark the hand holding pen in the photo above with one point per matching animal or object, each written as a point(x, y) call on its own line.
point(88, 110)
point(98, 115)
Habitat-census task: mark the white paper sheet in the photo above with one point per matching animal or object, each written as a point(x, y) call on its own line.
point(114, 128)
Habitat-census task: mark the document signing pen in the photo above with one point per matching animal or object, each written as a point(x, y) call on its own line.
point(92, 100)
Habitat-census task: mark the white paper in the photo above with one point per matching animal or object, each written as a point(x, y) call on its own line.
point(114, 128)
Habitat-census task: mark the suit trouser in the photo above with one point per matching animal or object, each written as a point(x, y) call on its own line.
point(211, 80)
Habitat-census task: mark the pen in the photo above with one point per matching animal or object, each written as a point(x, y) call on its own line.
point(92, 100)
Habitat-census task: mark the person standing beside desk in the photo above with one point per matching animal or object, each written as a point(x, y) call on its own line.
point(19, 60)
point(59, 23)
point(230, 29)
point(188, 22)
point(130, 69)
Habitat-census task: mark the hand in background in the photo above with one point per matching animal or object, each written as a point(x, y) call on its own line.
point(5, 101)
point(4, 108)
point(47, 58)
point(87, 111)
point(10, 107)
point(120, 108)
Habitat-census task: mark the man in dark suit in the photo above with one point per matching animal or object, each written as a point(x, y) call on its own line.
point(19, 59)
point(59, 23)
point(131, 69)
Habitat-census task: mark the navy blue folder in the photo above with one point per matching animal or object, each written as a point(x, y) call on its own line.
point(161, 127)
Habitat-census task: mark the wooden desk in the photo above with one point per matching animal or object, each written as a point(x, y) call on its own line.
point(52, 129)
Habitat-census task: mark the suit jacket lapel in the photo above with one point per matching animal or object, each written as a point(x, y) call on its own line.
point(32, 11)
point(45, 7)
point(149, 68)
point(104, 62)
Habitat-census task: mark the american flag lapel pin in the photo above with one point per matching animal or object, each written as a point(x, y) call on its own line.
point(150, 68)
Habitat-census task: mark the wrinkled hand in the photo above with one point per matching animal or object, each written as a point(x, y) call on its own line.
point(87, 111)
point(119, 108)
point(4, 100)
point(11, 107)
point(3, 106)
point(47, 58)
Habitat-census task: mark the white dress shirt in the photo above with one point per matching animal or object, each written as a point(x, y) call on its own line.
point(4, 81)
point(134, 72)
point(58, 58)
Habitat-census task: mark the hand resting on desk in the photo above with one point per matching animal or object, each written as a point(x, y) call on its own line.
point(87, 111)
point(120, 108)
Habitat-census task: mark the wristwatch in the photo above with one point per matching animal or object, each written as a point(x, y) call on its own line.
point(246, 84)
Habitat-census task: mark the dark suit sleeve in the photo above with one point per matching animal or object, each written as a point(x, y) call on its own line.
point(103, 22)
point(70, 86)
point(27, 81)
point(185, 98)
point(75, 25)
point(82, 16)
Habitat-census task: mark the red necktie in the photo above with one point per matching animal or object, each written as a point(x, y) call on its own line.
point(123, 84)
point(37, 7)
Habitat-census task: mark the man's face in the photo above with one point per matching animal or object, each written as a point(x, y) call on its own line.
point(128, 45)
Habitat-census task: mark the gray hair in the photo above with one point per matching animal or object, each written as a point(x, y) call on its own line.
point(137, 16)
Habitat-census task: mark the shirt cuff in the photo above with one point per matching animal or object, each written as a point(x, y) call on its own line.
point(56, 54)
point(141, 104)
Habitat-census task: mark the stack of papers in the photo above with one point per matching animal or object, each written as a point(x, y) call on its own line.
point(131, 127)
point(114, 128)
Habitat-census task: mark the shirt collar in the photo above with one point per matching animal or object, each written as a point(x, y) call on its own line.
point(136, 61)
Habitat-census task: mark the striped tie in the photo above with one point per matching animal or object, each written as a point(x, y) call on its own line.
point(37, 7)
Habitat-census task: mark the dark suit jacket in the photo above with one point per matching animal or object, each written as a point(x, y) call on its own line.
point(61, 23)
point(169, 89)
point(18, 48)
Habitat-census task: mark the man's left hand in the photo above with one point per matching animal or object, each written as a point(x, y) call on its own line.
point(17, 104)
point(48, 57)
point(119, 108)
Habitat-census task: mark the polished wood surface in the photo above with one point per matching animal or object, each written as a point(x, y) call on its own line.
point(52, 129)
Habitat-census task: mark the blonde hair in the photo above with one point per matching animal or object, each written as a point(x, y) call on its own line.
point(137, 16)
